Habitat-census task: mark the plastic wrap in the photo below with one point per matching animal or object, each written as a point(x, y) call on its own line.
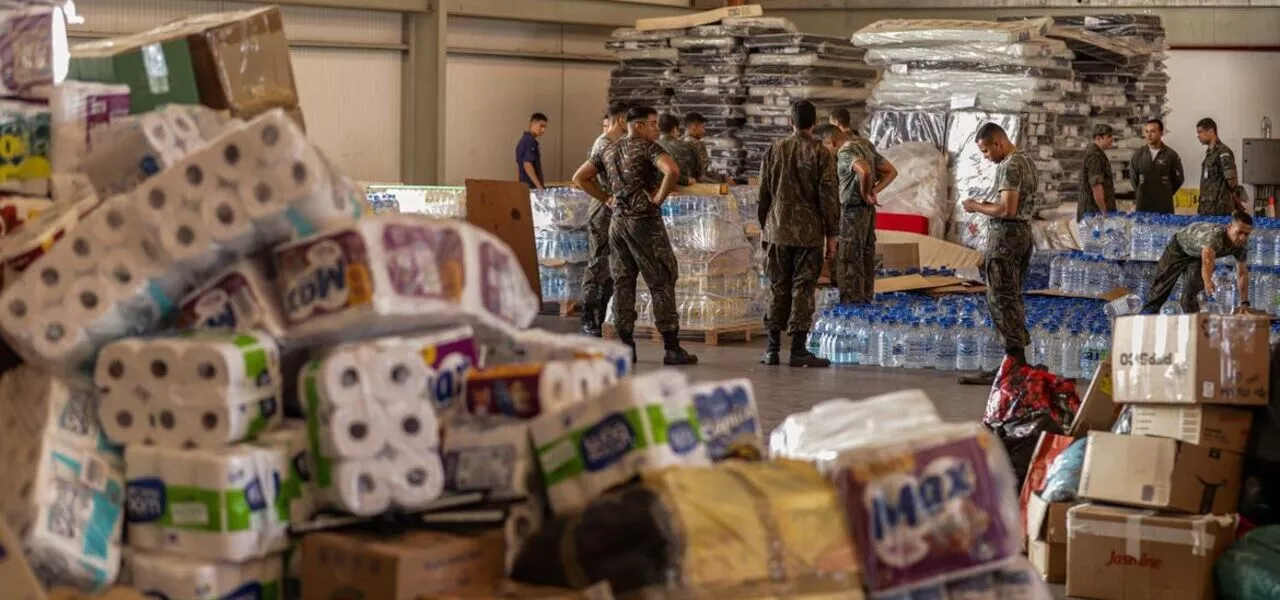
point(560, 208)
point(653, 56)
point(784, 96)
point(1033, 52)
point(631, 34)
point(831, 427)
point(921, 186)
point(561, 283)
point(1062, 481)
point(806, 60)
point(557, 246)
point(893, 32)
point(759, 25)
point(705, 42)
point(887, 128)
point(972, 175)
point(433, 201)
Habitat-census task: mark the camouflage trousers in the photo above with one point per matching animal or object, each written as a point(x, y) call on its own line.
point(597, 283)
point(793, 277)
point(856, 255)
point(639, 246)
point(1006, 260)
point(1174, 264)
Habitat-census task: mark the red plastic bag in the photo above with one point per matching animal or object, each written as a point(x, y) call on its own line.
point(1023, 395)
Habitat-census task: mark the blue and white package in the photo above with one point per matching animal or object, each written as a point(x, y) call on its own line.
point(729, 419)
point(178, 578)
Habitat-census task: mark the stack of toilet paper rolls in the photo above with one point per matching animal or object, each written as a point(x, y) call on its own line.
point(129, 150)
point(389, 273)
point(240, 298)
point(202, 390)
point(452, 354)
point(61, 492)
point(180, 579)
point(539, 345)
point(729, 419)
point(375, 436)
point(643, 422)
point(525, 391)
point(123, 269)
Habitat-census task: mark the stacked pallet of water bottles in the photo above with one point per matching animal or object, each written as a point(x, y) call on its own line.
point(560, 216)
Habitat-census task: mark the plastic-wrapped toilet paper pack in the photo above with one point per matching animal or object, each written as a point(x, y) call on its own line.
point(493, 456)
point(34, 403)
point(929, 505)
point(27, 242)
point(15, 211)
point(528, 390)
point(830, 427)
point(240, 298)
point(373, 433)
point(729, 419)
point(210, 504)
point(77, 109)
point(176, 578)
point(67, 505)
point(36, 49)
point(26, 130)
point(646, 421)
point(132, 149)
point(538, 345)
point(389, 273)
point(297, 493)
point(452, 353)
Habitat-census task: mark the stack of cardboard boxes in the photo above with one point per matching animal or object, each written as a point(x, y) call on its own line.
point(1158, 504)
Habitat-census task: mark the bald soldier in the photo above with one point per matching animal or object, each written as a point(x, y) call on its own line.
point(641, 176)
point(1007, 255)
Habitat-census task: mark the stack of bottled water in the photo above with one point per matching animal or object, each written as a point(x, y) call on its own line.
point(1144, 236)
point(442, 202)
point(560, 217)
point(748, 199)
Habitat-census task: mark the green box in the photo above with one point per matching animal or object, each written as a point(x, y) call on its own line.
point(157, 68)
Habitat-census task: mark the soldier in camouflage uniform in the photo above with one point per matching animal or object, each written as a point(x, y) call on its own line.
point(1218, 175)
point(863, 174)
point(1190, 256)
point(1008, 252)
point(843, 120)
point(597, 284)
point(1097, 182)
point(799, 213)
point(695, 128)
point(641, 176)
point(685, 155)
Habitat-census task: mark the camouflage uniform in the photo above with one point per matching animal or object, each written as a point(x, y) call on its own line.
point(856, 255)
point(799, 209)
point(1216, 172)
point(1156, 179)
point(637, 236)
point(597, 284)
point(1182, 258)
point(704, 157)
point(1008, 253)
point(685, 155)
point(1097, 169)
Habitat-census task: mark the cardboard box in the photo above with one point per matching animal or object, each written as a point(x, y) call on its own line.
point(1191, 359)
point(16, 577)
point(242, 61)
point(1161, 473)
point(1125, 554)
point(350, 565)
point(1049, 560)
point(1047, 538)
point(1222, 427)
point(156, 66)
point(898, 256)
point(701, 18)
point(1098, 411)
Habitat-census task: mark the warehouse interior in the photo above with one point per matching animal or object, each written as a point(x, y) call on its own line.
point(423, 410)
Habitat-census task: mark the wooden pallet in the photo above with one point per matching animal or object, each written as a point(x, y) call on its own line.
point(564, 308)
point(714, 336)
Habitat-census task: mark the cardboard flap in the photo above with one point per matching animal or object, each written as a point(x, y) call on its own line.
point(1097, 410)
point(701, 18)
point(898, 256)
point(503, 208)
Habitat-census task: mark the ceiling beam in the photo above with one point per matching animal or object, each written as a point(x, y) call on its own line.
point(603, 13)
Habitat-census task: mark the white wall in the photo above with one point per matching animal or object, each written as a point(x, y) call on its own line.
point(1235, 89)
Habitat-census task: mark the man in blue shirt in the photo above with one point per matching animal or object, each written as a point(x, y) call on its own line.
point(529, 153)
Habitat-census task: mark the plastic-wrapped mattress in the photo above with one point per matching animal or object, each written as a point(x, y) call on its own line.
point(887, 128)
point(894, 32)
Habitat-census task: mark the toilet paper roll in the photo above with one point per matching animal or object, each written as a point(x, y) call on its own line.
point(521, 391)
point(412, 425)
point(56, 339)
point(161, 362)
point(337, 379)
point(126, 419)
point(605, 374)
point(227, 221)
point(592, 377)
point(52, 278)
point(271, 135)
point(260, 198)
point(561, 459)
point(397, 373)
point(248, 362)
point(202, 426)
point(84, 251)
point(352, 432)
point(119, 365)
point(416, 480)
point(362, 487)
point(729, 419)
point(185, 239)
point(112, 223)
point(199, 176)
point(89, 300)
point(304, 177)
point(298, 488)
point(21, 308)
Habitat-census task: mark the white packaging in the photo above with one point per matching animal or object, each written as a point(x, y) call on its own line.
point(489, 455)
point(77, 108)
point(828, 428)
point(392, 272)
point(34, 402)
point(537, 345)
point(728, 418)
point(297, 489)
point(210, 504)
point(177, 578)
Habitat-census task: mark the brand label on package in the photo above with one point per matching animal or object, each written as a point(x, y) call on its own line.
point(326, 276)
point(425, 261)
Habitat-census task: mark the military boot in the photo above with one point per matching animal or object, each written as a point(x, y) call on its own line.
point(675, 354)
point(773, 350)
point(800, 355)
point(590, 321)
point(629, 338)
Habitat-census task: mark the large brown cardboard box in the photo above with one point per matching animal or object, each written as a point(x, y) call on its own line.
point(1097, 410)
point(1120, 553)
point(1047, 538)
point(898, 256)
point(1161, 473)
point(1191, 359)
point(339, 566)
point(16, 577)
point(1224, 427)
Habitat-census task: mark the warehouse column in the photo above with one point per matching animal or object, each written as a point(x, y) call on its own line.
point(422, 144)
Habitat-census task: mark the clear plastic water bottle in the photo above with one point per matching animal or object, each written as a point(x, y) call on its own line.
point(1070, 366)
point(817, 334)
point(898, 345)
point(1053, 348)
point(968, 347)
point(1091, 353)
point(945, 345)
point(992, 351)
point(843, 343)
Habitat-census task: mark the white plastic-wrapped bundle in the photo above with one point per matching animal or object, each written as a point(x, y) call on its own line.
point(895, 32)
point(77, 109)
point(131, 149)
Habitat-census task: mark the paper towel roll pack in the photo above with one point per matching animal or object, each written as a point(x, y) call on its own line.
point(173, 578)
point(222, 505)
point(645, 421)
point(204, 390)
point(240, 298)
point(528, 390)
point(388, 273)
point(540, 345)
point(77, 109)
point(930, 504)
point(374, 434)
point(490, 456)
point(729, 419)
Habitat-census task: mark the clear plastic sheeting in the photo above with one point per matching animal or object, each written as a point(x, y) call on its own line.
point(433, 201)
point(562, 283)
point(1033, 52)
point(560, 208)
point(897, 32)
point(556, 246)
point(988, 91)
point(821, 433)
point(758, 25)
point(921, 186)
point(972, 175)
point(888, 128)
